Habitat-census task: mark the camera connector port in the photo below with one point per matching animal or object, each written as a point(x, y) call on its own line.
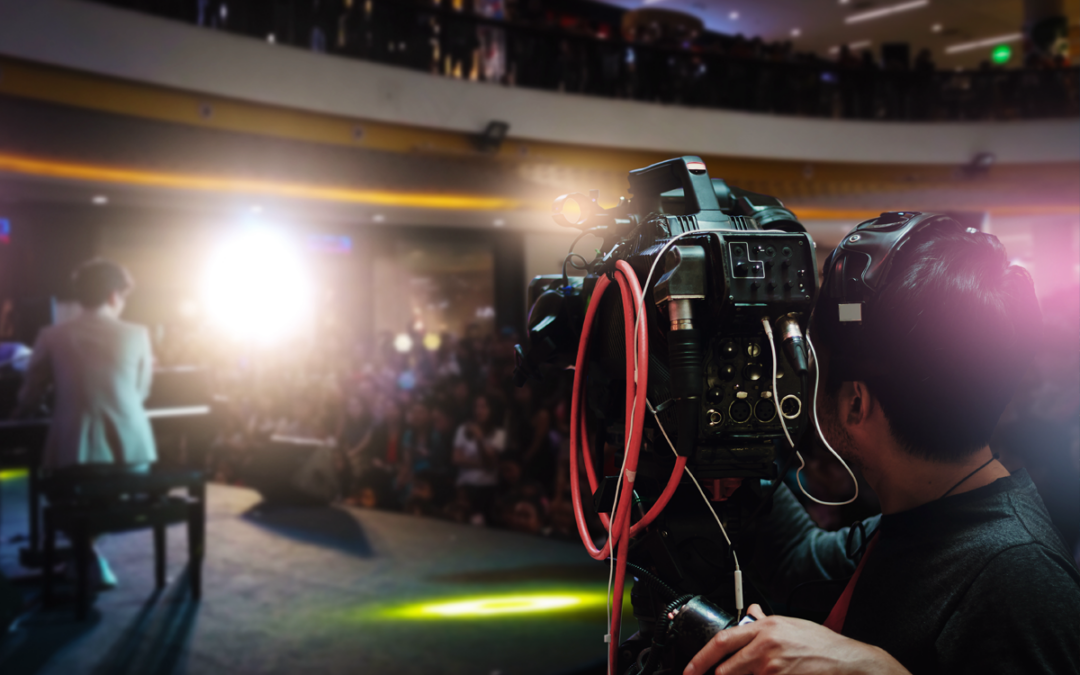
point(740, 411)
point(791, 406)
point(765, 410)
point(714, 418)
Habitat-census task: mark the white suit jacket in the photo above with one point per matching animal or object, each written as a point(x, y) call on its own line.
point(101, 368)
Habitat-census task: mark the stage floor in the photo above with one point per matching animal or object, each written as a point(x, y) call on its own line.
point(320, 590)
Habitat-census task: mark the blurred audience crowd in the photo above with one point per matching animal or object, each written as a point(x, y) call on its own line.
point(655, 57)
point(443, 432)
point(433, 432)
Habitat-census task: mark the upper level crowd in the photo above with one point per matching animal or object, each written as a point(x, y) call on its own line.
point(526, 43)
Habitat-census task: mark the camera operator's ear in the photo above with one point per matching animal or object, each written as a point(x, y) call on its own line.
point(857, 402)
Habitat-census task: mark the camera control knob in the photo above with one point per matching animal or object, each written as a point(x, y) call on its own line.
point(729, 349)
point(716, 395)
point(727, 373)
point(753, 372)
point(753, 350)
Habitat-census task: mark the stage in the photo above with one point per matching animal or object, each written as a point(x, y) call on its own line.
point(320, 590)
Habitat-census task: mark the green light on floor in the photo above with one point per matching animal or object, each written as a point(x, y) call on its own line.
point(1001, 54)
point(12, 474)
point(483, 607)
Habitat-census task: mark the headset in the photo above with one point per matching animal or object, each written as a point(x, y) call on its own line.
point(856, 270)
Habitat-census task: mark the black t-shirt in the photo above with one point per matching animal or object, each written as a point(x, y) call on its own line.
point(978, 582)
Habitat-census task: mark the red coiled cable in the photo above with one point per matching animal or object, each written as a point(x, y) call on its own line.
point(619, 529)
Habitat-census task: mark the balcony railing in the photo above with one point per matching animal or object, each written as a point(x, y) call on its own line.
point(713, 72)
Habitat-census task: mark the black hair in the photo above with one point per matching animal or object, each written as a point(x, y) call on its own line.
point(95, 280)
point(946, 342)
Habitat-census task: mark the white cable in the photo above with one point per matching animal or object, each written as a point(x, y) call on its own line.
point(645, 288)
point(626, 450)
point(813, 409)
point(611, 544)
point(775, 391)
point(614, 508)
point(615, 502)
point(738, 570)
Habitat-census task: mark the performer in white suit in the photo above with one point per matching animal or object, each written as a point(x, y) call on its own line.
point(100, 369)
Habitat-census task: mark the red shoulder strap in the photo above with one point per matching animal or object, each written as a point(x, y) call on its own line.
point(840, 609)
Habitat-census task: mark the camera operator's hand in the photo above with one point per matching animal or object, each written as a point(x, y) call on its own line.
point(780, 645)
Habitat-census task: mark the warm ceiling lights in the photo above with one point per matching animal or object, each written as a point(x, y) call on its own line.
point(100, 200)
point(986, 42)
point(861, 44)
point(886, 11)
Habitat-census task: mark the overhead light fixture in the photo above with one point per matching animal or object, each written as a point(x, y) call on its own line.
point(936, 28)
point(734, 16)
point(796, 32)
point(986, 42)
point(100, 200)
point(885, 11)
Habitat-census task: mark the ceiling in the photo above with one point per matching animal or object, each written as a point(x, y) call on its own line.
point(821, 25)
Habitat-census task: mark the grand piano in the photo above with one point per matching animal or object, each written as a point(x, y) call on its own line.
point(182, 415)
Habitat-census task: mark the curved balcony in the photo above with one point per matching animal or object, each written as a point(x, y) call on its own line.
point(707, 71)
point(93, 38)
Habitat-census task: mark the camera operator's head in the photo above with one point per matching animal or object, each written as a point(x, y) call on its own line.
point(944, 342)
point(100, 284)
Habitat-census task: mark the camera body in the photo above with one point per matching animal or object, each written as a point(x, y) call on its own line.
point(713, 262)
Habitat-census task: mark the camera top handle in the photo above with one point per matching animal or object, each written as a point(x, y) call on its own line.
point(687, 172)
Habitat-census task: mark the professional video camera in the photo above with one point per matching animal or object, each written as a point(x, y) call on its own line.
point(677, 374)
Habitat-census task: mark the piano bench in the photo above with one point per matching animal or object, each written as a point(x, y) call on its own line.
point(107, 504)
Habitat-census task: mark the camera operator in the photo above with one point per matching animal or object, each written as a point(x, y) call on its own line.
point(963, 570)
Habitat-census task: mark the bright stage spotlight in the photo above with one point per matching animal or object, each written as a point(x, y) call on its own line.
point(257, 287)
point(403, 343)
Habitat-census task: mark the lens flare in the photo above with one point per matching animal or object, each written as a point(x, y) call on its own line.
point(257, 287)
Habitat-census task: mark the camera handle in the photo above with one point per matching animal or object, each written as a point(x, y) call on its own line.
point(687, 172)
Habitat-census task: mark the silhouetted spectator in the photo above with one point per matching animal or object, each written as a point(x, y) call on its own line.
point(477, 446)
